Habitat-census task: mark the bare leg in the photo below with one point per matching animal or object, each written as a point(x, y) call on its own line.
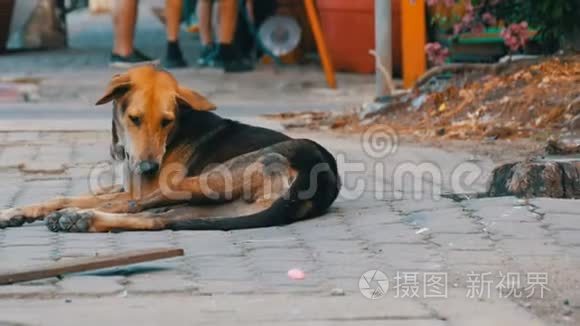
point(173, 56)
point(228, 13)
point(173, 15)
point(204, 9)
point(233, 59)
point(250, 9)
point(124, 21)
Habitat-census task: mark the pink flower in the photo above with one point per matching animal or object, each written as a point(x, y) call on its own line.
point(515, 36)
point(489, 19)
point(436, 53)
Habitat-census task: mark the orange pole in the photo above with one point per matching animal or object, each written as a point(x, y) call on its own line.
point(414, 37)
point(327, 65)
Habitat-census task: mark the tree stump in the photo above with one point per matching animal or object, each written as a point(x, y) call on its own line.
point(557, 178)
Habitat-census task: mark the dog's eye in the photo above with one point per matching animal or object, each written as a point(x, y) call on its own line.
point(166, 122)
point(135, 120)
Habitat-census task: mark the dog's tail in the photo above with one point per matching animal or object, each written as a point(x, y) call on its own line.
point(315, 188)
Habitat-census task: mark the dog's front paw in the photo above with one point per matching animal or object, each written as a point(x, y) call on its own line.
point(70, 220)
point(12, 217)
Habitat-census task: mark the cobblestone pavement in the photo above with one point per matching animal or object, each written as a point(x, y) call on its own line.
point(460, 261)
point(405, 237)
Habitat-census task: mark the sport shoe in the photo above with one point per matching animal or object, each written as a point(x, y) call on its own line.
point(133, 59)
point(207, 57)
point(173, 57)
point(143, 56)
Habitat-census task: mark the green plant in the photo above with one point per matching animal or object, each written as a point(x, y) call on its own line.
point(554, 19)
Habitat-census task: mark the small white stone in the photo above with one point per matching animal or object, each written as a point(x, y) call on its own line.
point(337, 292)
point(422, 230)
point(527, 305)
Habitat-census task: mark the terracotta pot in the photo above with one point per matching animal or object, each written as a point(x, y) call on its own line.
point(349, 30)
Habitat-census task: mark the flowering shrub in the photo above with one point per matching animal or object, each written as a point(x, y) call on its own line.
point(553, 18)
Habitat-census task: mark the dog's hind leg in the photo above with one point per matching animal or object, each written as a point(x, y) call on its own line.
point(90, 220)
point(247, 177)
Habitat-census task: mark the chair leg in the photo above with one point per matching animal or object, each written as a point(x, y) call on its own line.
point(320, 43)
point(413, 41)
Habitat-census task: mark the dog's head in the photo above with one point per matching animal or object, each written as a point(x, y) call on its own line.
point(146, 103)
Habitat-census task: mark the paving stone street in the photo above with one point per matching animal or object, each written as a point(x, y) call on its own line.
point(457, 260)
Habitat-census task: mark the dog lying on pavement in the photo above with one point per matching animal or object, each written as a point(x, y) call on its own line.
point(189, 169)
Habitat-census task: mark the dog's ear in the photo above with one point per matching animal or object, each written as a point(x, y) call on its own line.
point(118, 86)
point(194, 100)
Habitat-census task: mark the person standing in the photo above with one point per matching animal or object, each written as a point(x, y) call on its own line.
point(125, 55)
point(223, 53)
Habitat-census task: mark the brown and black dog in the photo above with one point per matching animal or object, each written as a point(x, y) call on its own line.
point(189, 169)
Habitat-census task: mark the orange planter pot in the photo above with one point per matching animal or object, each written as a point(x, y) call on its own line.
point(349, 28)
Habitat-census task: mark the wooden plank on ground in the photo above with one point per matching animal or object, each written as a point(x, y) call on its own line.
point(86, 264)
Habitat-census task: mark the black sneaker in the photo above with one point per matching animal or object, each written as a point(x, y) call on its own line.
point(142, 55)
point(133, 59)
point(207, 57)
point(233, 60)
point(173, 57)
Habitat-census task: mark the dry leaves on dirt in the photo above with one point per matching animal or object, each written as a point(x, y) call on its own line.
point(536, 100)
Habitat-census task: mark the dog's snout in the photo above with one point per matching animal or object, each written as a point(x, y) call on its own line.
point(148, 167)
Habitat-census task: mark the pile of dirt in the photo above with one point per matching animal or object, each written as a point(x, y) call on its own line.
point(535, 100)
